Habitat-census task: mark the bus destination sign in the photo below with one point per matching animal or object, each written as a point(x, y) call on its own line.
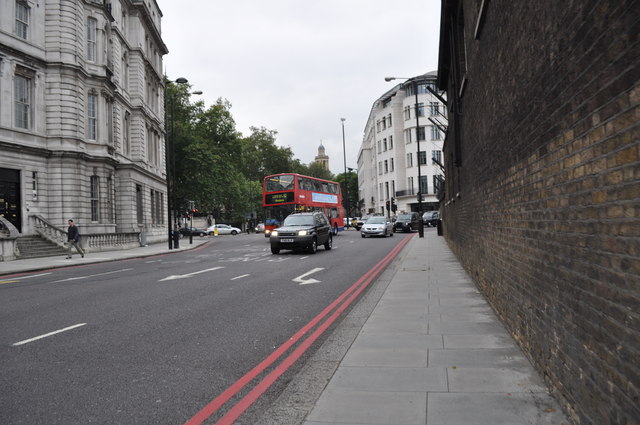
point(279, 198)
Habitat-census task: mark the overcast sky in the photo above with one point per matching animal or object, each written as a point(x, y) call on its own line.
point(298, 66)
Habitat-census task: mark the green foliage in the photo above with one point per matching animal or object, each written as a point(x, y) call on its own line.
point(214, 165)
point(351, 194)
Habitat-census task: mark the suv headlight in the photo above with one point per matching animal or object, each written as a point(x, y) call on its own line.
point(274, 233)
point(302, 233)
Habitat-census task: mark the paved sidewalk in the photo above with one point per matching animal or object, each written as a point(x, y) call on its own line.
point(433, 352)
point(33, 264)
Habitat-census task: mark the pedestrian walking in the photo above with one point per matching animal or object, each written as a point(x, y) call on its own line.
point(73, 239)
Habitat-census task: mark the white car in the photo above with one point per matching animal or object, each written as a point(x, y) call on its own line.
point(376, 226)
point(223, 229)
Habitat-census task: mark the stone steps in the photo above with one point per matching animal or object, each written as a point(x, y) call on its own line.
point(36, 247)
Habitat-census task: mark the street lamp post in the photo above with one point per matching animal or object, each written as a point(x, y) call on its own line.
point(170, 165)
point(346, 178)
point(415, 91)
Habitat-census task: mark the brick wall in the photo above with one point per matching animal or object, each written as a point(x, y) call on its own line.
point(543, 210)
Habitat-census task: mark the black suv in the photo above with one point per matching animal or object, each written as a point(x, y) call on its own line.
point(406, 222)
point(302, 231)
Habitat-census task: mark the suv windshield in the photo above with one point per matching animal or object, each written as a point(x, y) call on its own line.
point(298, 220)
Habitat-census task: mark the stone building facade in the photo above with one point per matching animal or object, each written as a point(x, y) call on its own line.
point(389, 156)
point(542, 199)
point(82, 116)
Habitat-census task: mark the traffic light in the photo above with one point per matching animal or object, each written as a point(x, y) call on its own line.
point(394, 207)
point(388, 206)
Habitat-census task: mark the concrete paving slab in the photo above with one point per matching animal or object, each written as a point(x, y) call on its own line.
point(386, 357)
point(501, 340)
point(387, 324)
point(389, 379)
point(493, 409)
point(371, 408)
point(465, 328)
point(391, 339)
point(494, 357)
point(488, 317)
point(495, 380)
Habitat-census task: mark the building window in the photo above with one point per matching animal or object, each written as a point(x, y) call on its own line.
point(22, 88)
point(437, 155)
point(421, 109)
point(421, 135)
point(139, 206)
point(424, 187)
point(392, 165)
point(386, 190)
point(410, 184)
point(384, 123)
point(92, 35)
point(22, 19)
point(434, 108)
point(390, 142)
point(126, 144)
point(380, 167)
point(95, 198)
point(384, 144)
point(409, 160)
point(110, 215)
point(389, 120)
point(379, 146)
point(34, 185)
point(92, 117)
point(407, 136)
point(153, 204)
point(407, 113)
point(422, 157)
point(435, 133)
point(386, 166)
point(125, 72)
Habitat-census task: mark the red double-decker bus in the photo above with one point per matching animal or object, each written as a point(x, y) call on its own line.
point(283, 194)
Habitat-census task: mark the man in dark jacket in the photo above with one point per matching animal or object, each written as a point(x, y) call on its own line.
point(73, 239)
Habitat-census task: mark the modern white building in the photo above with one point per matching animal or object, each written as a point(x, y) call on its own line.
point(82, 116)
point(389, 156)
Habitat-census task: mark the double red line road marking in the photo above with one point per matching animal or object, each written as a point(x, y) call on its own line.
point(342, 302)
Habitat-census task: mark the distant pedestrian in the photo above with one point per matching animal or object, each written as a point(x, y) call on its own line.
point(73, 239)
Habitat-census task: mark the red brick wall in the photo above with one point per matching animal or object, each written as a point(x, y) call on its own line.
point(547, 217)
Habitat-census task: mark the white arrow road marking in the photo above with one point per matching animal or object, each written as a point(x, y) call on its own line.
point(184, 276)
point(302, 281)
point(92, 275)
point(26, 341)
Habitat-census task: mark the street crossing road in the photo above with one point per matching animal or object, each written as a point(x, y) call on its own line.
point(155, 340)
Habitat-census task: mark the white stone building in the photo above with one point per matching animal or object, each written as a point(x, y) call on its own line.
point(388, 157)
point(82, 116)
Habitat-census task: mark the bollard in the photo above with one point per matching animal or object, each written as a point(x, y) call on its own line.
point(215, 231)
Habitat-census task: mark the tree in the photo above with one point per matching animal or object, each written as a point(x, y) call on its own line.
point(318, 170)
point(351, 194)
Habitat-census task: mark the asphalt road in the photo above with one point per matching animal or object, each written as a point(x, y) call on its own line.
point(156, 340)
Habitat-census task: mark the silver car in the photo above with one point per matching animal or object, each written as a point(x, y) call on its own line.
point(376, 226)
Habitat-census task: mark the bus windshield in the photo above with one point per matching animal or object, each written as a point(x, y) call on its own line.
point(278, 183)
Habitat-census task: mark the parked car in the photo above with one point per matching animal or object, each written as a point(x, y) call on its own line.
point(302, 231)
point(406, 222)
point(259, 228)
point(191, 231)
point(223, 229)
point(431, 218)
point(360, 221)
point(377, 226)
